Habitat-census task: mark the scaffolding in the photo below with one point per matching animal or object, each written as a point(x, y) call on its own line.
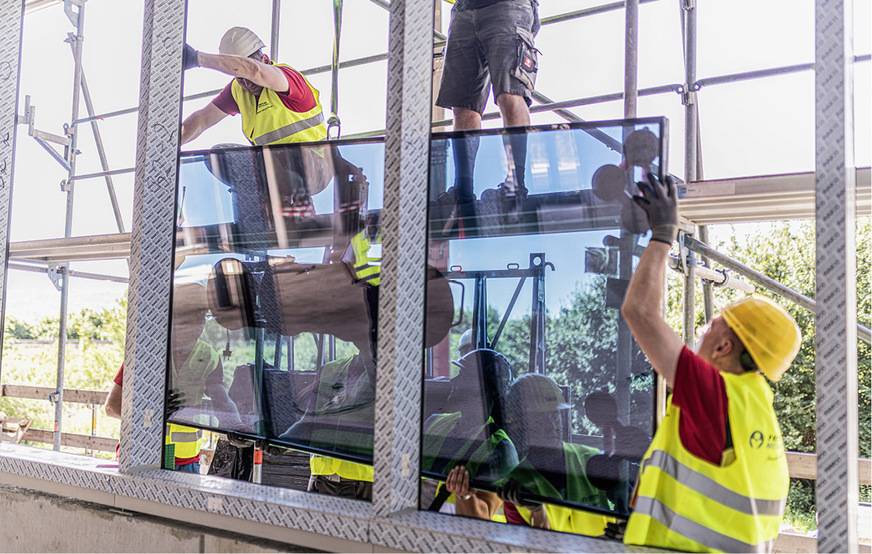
point(828, 194)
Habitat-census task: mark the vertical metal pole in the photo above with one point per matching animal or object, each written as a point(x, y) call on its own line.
point(64, 279)
point(154, 203)
point(690, 153)
point(275, 30)
point(708, 299)
point(624, 353)
point(836, 278)
point(401, 296)
point(11, 25)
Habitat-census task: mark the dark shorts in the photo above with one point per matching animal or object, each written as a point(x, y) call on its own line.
point(490, 46)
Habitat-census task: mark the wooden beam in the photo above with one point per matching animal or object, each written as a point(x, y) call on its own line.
point(42, 393)
point(104, 444)
point(802, 465)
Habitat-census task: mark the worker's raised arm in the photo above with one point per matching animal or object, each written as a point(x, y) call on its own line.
point(113, 402)
point(194, 125)
point(256, 71)
point(642, 308)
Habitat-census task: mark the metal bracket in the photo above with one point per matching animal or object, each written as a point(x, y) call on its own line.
point(68, 10)
point(684, 253)
point(688, 97)
point(56, 273)
point(688, 5)
point(43, 138)
point(53, 397)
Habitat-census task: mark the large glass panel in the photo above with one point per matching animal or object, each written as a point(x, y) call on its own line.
point(539, 385)
point(275, 294)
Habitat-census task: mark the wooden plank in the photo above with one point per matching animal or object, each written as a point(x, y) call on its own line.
point(802, 465)
point(104, 444)
point(42, 393)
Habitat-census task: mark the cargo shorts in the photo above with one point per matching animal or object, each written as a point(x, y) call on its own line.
point(490, 46)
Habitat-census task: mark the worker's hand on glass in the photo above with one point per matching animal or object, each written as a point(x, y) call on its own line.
point(511, 492)
point(190, 58)
point(660, 202)
point(175, 400)
point(615, 530)
point(457, 483)
point(238, 440)
point(270, 449)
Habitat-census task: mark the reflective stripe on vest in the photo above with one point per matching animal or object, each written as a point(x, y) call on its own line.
point(366, 268)
point(187, 440)
point(686, 503)
point(266, 120)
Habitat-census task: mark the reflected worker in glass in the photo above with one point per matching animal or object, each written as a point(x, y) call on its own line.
point(196, 373)
point(490, 45)
point(469, 442)
point(550, 467)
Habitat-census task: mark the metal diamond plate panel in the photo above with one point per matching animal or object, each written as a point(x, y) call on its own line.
point(151, 237)
point(11, 15)
point(401, 309)
point(836, 334)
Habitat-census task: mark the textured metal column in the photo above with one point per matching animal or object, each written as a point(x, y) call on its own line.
point(151, 246)
point(401, 295)
point(11, 19)
point(836, 289)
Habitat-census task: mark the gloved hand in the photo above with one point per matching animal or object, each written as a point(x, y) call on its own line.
point(189, 58)
point(615, 531)
point(511, 492)
point(269, 448)
point(175, 399)
point(660, 202)
point(238, 440)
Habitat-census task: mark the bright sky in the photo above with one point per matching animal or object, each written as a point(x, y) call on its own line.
point(750, 128)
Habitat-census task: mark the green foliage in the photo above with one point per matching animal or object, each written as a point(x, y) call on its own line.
point(91, 360)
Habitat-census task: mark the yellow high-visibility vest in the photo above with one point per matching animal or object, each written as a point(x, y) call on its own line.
point(686, 503)
point(265, 120)
point(190, 380)
point(320, 465)
point(367, 267)
point(578, 489)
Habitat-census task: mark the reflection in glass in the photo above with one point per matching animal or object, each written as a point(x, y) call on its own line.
point(283, 244)
point(541, 275)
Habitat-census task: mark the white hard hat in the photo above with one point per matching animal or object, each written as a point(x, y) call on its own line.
point(465, 344)
point(240, 41)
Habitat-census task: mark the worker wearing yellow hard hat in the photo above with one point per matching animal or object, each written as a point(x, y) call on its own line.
point(715, 476)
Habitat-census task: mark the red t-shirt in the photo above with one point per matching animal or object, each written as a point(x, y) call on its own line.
point(701, 394)
point(119, 377)
point(299, 97)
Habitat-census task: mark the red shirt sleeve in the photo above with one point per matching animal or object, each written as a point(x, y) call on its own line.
point(298, 98)
point(513, 516)
point(225, 101)
point(701, 395)
point(119, 377)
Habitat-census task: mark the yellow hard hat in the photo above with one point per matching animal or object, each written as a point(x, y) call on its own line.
point(768, 332)
point(240, 41)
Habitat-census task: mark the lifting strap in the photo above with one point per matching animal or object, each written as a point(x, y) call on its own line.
point(333, 120)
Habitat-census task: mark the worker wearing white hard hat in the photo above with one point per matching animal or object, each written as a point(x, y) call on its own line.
point(278, 105)
point(715, 476)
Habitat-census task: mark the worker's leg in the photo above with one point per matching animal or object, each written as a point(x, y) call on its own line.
point(515, 113)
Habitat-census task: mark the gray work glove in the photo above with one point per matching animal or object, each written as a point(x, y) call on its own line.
point(189, 58)
point(175, 399)
point(660, 202)
point(511, 492)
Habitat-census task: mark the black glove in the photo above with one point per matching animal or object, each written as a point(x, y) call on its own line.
point(511, 492)
point(270, 449)
point(615, 531)
point(238, 440)
point(175, 399)
point(660, 202)
point(189, 58)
